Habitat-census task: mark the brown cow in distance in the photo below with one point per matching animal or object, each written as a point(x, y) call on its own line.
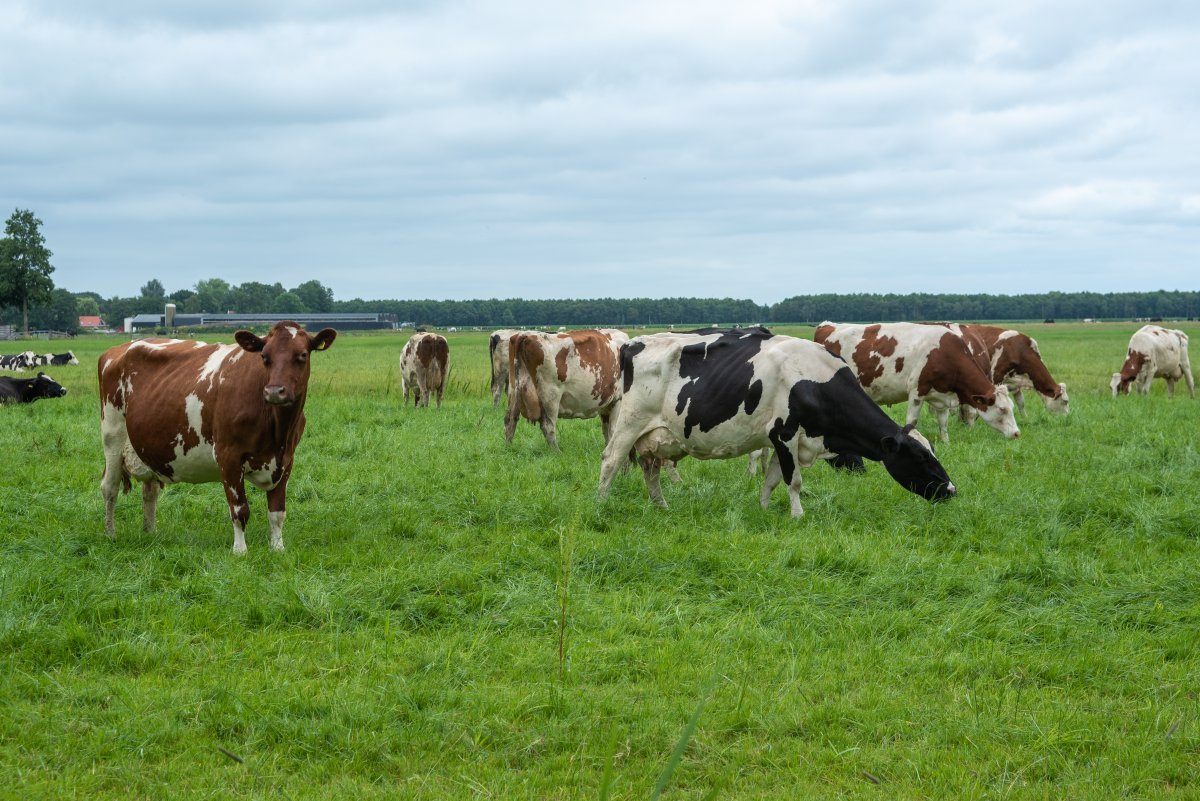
point(574, 374)
point(424, 365)
point(176, 411)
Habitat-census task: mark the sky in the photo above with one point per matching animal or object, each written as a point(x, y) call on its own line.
point(453, 150)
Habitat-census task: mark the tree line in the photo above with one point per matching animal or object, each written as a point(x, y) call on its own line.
point(28, 298)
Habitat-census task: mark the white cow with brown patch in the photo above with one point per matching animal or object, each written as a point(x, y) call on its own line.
point(424, 366)
point(573, 374)
point(918, 363)
point(1155, 352)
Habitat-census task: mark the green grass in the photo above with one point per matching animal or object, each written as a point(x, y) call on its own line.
point(456, 617)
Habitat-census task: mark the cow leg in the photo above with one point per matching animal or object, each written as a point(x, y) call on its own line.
point(617, 454)
point(549, 421)
point(150, 490)
point(511, 417)
point(651, 468)
point(114, 436)
point(239, 511)
point(942, 413)
point(1170, 387)
point(1018, 397)
point(673, 471)
point(772, 479)
point(966, 413)
point(913, 413)
point(277, 511)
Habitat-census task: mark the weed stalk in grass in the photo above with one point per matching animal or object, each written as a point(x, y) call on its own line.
point(566, 551)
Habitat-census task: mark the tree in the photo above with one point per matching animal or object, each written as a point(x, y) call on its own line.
point(86, 305)
point(316, 297)
point(254, 297)
point(213, 295)
point(154, 292)
point(59, 313)
point(289, 303)
point(24, 264)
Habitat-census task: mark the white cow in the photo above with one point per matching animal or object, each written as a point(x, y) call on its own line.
point(1155, 352)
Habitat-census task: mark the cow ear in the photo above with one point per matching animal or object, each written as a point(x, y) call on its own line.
point(323, 339)
point(984, 400)
point(891, 444)
point(249, 341)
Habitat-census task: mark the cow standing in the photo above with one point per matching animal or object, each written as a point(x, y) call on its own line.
point(573, 374)
point(1155, 352)
point(176, 411)
point(1014, 360)
point(728, 394)
point(424, 365)
point(915, 363)
point(498, 356)
point(27, 390)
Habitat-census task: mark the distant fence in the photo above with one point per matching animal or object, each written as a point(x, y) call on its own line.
point(11, 332)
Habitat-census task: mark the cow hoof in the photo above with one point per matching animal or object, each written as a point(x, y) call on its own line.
point(277, 547)
point(239, 549)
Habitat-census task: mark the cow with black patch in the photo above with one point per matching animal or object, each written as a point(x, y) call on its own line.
point(574, 374)
point(728, 394)
point(424, 367)
point(916, 363)
point(18, 362)
point(1155, 352)
point(175, 411)
point(27, 390)
point(58, 359)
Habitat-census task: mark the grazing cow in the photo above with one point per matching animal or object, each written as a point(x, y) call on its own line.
point(18, 362)
point(1155, 352)
point(728, 394)
point(27, 390)
point(57, 359)
point(424, 365)
point(498, 354)
point(181, 411)
point(917, 363)
point(1014, 360)
point(573, 374)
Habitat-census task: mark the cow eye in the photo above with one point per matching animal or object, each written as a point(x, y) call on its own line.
point(266, 360)
point(302, 358)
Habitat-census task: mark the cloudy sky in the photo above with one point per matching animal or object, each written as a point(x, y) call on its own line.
point(755, 149)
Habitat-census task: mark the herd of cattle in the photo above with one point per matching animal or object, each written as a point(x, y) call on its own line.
point(184, 411)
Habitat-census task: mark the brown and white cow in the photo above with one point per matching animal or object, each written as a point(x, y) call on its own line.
point(573, 374)
point(498, 354)
point(424, 365)
point(915, 363)
point(176, 411)
point(1014, 360)
point(1155, 352)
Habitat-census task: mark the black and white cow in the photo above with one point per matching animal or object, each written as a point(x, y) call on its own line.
point(18, 361)
point(57, 359)
point(727, 394)
point(27, 390)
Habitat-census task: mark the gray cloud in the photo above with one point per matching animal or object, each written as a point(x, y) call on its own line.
point(468, 149)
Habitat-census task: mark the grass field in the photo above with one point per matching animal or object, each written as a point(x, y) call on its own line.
point(455, 617)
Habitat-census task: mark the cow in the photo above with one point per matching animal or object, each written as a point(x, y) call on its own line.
point(915, 363)
point(27, 390)
point(1155, 352)
point(18, 362)
point(573, 374)
point(728, 394)
point(424, 365)
point(1014, 360)
point(498, 355)
point(57, 359)
point(175, 411)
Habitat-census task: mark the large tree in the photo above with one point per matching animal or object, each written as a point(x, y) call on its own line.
point(24, 264)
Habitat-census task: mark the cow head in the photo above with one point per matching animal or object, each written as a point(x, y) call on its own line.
point(44, 387)
point(285, 352)
point(1120, 383)
point(1058, 403)
point(909, 459)
point(996, 409)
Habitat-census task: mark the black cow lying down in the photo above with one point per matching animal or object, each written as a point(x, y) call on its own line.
point(729, 393)
point(27, 390)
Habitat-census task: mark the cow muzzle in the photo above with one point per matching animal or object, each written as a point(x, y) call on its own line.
point(277, 396)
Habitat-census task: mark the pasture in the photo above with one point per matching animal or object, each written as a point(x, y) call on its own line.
point(455, 617)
